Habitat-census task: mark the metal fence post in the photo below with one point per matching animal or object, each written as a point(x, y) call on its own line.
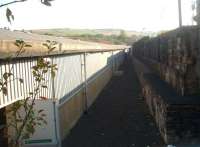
point(55, 110)
point(113, 63)
point(85, 82)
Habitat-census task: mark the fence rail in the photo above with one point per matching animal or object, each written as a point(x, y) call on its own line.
point(73, 71)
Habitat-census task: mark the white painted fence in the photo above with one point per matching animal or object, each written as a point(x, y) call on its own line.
point(73, 70)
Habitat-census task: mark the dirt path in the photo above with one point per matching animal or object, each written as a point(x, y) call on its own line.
point(118, 118)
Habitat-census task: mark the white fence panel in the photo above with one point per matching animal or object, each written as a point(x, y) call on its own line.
point(21, 69)
point(68, 76)
point(96, 62)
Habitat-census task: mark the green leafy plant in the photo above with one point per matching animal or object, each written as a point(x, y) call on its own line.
point(24, 124)
point(6, 78)
point(50, 45)
point(22, 117)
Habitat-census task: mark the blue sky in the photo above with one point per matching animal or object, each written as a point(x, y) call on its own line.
point(148, 15)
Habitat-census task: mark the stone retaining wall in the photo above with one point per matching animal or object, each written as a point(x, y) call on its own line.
point(175, 56)
point(177, 117)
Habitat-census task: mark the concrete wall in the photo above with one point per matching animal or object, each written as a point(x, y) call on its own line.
point(71, 110)
point(97, 85)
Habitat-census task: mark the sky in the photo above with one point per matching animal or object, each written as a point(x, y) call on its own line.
point(138, 15)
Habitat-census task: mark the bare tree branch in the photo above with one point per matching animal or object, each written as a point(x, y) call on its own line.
point(16, 1)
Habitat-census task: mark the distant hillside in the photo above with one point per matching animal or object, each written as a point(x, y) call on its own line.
point(75, 32)
point(109, 36)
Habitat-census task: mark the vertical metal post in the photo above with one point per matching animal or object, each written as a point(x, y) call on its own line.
point(180, 13)
point(53, 84)
point(55, 111)
point(85, 82)
point(112, 58)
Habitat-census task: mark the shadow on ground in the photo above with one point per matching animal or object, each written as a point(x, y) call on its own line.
point(118, 118)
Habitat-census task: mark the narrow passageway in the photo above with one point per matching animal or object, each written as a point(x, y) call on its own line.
point(118, 118)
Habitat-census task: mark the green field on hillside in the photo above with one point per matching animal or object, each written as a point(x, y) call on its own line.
point(72, 32)
point(109, 36)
